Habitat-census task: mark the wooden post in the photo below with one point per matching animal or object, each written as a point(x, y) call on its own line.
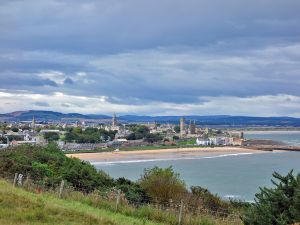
point(180, 213)
point(20, 179)
point(26, 183)
point(61, 188)
point(118, 199)
point(15, 179)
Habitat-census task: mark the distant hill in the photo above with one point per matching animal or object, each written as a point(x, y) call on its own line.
point(47, 116)
point(200, 120)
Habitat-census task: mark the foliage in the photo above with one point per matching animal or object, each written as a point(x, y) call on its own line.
point(14, 129)
point(151, 138)
point(51, 136)
point(177, 129)
point(49, 166)
point(202, 196)
point(162, 184)
point(133, 191)
point(15, 138)
point(279, 205)
point(89, 135)
point(139, 132)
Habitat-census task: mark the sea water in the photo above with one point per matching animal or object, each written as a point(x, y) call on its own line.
point(230, 176)
point(227, 175)
point(288, 137)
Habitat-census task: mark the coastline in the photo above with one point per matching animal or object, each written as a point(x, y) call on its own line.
point(160, 154)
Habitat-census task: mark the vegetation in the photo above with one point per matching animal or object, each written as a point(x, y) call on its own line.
point(20, 207)
point(89, 135)
point(162, 184)
point(51, 136)
point(177, 129)
point(90, 195)
point(138, 132)
point(279, 205)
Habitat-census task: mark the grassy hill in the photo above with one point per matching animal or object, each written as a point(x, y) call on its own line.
point(18, 206)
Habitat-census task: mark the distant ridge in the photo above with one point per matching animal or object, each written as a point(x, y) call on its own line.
point(201, 120)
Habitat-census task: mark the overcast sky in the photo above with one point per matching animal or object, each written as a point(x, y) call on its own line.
point(164, 57)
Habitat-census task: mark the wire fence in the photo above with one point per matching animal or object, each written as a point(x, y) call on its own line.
point(117, 199)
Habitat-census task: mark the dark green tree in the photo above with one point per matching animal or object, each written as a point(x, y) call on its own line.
point(177, 129)
point(277, 206)
point(51, 136)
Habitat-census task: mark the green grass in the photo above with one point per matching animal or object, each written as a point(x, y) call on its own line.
point(20, 207)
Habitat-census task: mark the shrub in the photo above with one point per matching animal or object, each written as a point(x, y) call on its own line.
point(162, 184)
point(277, 206)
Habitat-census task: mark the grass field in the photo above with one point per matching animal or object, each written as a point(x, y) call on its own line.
point(20, 207)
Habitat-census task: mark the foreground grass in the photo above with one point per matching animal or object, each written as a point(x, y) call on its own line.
point(20, 207)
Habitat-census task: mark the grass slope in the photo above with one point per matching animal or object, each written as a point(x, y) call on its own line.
point(20, 207)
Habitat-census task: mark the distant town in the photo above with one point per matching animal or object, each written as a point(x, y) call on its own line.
point(83, 135)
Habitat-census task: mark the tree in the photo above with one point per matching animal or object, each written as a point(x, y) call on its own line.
point(151, 138)
point(51, 136)
point(15, 129)
point(162, 184)
point(133, 191)
point(177, 129)
point(276, 206)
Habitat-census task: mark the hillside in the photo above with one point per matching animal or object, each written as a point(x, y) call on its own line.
point(21, 207)
point(200, 120)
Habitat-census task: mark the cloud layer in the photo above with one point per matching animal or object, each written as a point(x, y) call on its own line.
point(151, 57)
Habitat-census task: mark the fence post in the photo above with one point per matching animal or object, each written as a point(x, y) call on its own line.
point(20, 179)
point(15, 179)
point(61, 188)
point(118, 199)
point(180, 213)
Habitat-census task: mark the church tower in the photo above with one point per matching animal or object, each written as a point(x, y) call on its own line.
point(182, 126)
point(114, 122)
point(33, 124)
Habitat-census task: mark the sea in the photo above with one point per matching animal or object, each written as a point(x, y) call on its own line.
point(234, 176)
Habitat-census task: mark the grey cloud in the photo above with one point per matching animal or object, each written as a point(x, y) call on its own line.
point(42, 104)
point(66, 105)
point(113, 26)
point(68, 81)
point(139, 52)
point(18, 80)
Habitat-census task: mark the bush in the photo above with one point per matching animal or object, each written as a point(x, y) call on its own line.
point(277, 206)
point(204, 198)
point(162, 184)
point(134, 193)
point(48, 165)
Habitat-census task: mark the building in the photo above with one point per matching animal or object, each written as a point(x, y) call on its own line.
point(114, 122)
point(33, 124)
point(182, 127)
point(202, 141)
point(192, 127)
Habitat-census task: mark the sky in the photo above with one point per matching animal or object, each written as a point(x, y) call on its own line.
point(159, 57)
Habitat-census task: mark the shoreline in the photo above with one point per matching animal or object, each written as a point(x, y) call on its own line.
point(161, 154)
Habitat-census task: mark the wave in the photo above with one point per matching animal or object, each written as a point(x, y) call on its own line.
point(166, 159)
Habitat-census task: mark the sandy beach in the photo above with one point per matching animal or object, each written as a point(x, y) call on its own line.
point(161, 154)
